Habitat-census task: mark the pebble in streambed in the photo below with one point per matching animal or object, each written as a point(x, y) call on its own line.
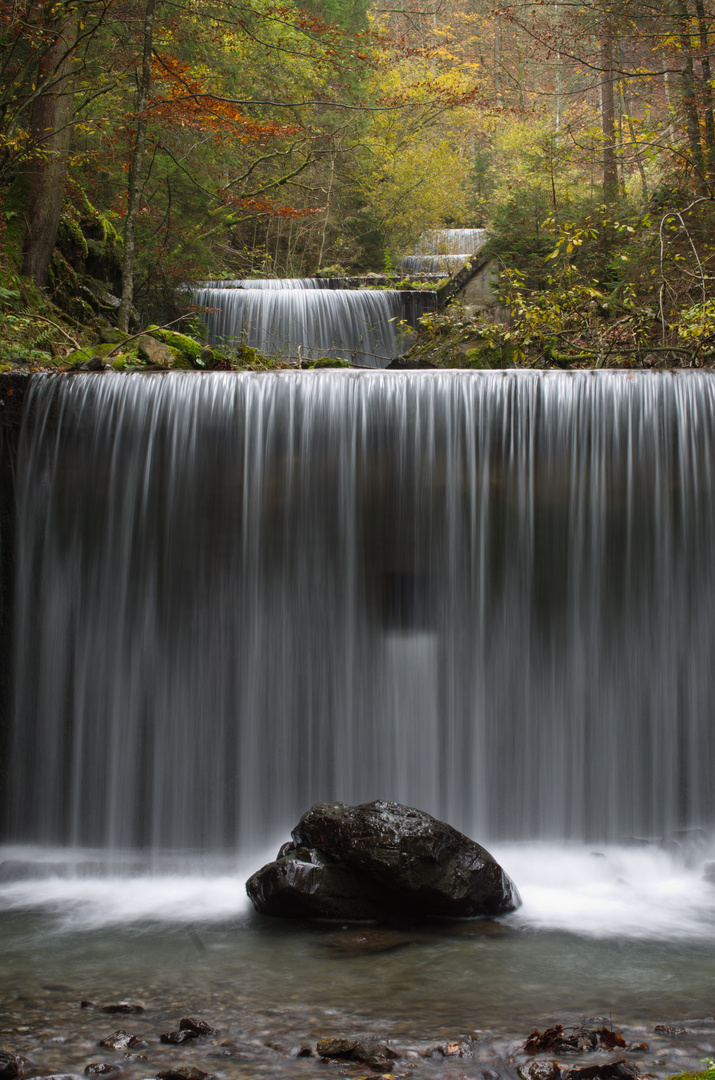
point(266, 1043)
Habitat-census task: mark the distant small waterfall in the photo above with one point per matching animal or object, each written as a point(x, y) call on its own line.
point(486, 594)
point(443, 251)
point(307, 318)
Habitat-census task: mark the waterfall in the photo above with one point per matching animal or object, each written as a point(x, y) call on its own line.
point(443, 251)
point(486, 594)
point(306, 318)
point(275, 283)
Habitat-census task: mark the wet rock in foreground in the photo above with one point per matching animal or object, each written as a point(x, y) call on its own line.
point(121, 1040)
point(380, 860)
point(573, 1040)
point(9, 1065)
point(199, 1027)
point(378, 1056)
point(612, 1070)
point(185, 1072)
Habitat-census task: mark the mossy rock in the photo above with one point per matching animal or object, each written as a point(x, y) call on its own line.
point(329, 362)
point(246, 355)
point(126, 361)
point(247, 359)
point(60, 274)
point(112, 334)
point(180, 360)
point(102, 348)
point(71, 240)
point(79, 356)
point(187, 350)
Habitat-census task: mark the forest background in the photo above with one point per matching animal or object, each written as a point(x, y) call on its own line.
point(147, 144)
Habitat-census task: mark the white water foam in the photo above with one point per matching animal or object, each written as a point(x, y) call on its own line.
point(616, 892)
point(613, 891)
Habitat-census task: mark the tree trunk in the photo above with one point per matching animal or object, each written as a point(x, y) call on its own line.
point(626, 108)
point(50, 131)
point(135, 170)
point(608, 114)
point(690, 96)
point(707, 88)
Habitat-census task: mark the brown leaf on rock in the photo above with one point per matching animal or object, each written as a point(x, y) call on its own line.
point(610, 1039)
point(541, 1044)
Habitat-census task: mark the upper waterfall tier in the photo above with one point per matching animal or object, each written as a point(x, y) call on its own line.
point(309, 319)
point(489, 595)
point(443, 251)
point(274, 283)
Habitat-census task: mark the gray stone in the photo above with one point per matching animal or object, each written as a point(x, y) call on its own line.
point(156, 352)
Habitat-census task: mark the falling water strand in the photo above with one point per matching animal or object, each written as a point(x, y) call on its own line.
point(485, 594)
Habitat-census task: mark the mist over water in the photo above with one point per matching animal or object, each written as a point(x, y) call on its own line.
point(615, 893)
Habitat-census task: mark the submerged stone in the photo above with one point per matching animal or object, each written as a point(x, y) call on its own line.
point(380, 860)
point(185, 1072)
point(120, 1040)
point(176, 1038)
point(362, 942)
point(120, 1007)
point(378, 1056)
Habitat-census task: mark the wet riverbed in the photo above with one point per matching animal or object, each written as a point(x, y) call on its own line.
point(625, 935)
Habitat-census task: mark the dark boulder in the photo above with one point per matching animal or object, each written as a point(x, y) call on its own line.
point(380, 860)
point(10, 1065)
point(306, 885)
